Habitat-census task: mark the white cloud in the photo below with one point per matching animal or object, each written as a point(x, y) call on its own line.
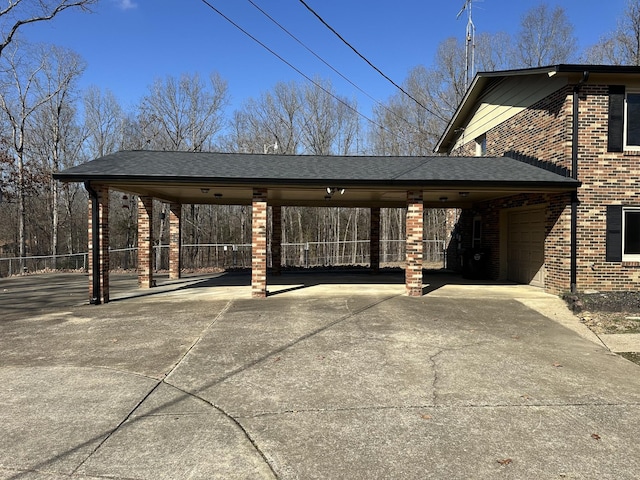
point(126, 4)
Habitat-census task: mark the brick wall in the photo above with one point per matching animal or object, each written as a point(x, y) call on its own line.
point(259, 243)
point(415, 234)
point(544, 131)
point(175, 240)
point(608, 179)
point(145, 242)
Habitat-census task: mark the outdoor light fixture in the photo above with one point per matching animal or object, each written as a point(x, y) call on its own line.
point(444, 199)
point(217, 195)
point(204, 190)
point(464, 194)
point(332, 190)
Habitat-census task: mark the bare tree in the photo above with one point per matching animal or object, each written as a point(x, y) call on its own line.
point(18, 13)
point(184, 114)
point(55, 138)
point(25, 88)
point(622, 46)
point(274, 117)
point(545, 38)
point(328, 124)
point(103, 118)
point(494, 52)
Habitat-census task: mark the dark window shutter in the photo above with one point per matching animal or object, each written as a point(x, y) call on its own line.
point(616, 118)
point(614, 233)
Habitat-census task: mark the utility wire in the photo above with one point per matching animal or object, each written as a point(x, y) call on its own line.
point(279, 57)
point(369, 62)
point(332, 67)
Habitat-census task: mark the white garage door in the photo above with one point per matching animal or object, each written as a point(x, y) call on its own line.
point(525, 249)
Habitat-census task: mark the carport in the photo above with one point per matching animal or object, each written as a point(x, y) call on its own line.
point(260, 181)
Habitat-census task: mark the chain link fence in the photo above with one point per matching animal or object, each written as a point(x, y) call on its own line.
point(204, 257)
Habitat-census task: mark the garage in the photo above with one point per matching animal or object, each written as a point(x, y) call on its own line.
point(525, 251)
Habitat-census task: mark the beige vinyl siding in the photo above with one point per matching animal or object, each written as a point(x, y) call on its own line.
point(499, 104)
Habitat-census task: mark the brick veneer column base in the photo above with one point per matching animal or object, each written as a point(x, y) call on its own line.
point(175, 240)
point(259, 243)
point(145, 242)
point(415, 233)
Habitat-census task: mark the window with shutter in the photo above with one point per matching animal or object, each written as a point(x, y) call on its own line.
point(615, 141)
point(632, 121)
point(614, 233)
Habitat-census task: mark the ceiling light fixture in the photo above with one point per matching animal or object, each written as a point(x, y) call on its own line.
point(444, 199)
point(204, 190)
point(333, 190)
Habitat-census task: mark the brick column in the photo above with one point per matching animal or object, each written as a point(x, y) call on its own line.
point(276, 239)
point(103, 239)
point(413, 271)
point(175, 240)
point(374, 240)
point(145, 242)
point(259, 243)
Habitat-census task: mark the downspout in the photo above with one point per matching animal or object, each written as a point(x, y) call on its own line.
point(574, 175)
point(95, 242)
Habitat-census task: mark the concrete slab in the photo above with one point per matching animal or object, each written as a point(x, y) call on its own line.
point(622, 342)
point(330, 377)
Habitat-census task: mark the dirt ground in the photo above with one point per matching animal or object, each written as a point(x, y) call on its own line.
point(607, 312)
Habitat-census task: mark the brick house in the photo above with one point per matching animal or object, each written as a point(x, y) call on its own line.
point(582, 121)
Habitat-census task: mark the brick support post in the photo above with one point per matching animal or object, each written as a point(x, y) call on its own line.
point(276, 239)
point(374, 240)
point(175, 240)
point(103, 239)
point(414, 247)
point(145, 242)
point(259, 243)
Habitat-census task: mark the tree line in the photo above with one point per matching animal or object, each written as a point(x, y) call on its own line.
point(48, 124)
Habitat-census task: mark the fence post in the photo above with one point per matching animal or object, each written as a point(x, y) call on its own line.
point(306, 255)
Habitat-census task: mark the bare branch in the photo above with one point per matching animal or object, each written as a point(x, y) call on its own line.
point(13, 18)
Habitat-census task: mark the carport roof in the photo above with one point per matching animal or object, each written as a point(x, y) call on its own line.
point(131, 170)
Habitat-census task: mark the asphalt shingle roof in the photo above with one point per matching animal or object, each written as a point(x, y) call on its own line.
point(239, 168)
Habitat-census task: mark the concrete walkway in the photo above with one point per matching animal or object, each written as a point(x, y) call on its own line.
point(332, 376)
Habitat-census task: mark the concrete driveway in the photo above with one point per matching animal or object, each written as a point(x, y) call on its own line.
point(333, 376)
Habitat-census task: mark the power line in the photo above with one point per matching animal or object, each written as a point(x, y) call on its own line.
point(290, 65)
point(330, 66)
point(369, 62)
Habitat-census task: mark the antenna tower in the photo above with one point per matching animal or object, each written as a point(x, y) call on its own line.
point(470, 43)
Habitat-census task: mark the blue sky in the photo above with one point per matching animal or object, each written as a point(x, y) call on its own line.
point(129, 43)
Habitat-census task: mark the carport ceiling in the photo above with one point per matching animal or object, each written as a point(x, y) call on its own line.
point(302, 180)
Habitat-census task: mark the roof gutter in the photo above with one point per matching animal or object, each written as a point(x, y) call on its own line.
point(95, 244)
point(574, 175)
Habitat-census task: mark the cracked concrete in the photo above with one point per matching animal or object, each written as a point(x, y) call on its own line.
point(336, 376)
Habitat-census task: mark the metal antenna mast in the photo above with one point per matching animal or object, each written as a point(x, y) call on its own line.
point(470, 43)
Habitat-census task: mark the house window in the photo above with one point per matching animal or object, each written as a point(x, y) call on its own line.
point(632, 121)
point(631, 234)
point(623, 234)
point(624, 119)
point(481, 145)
